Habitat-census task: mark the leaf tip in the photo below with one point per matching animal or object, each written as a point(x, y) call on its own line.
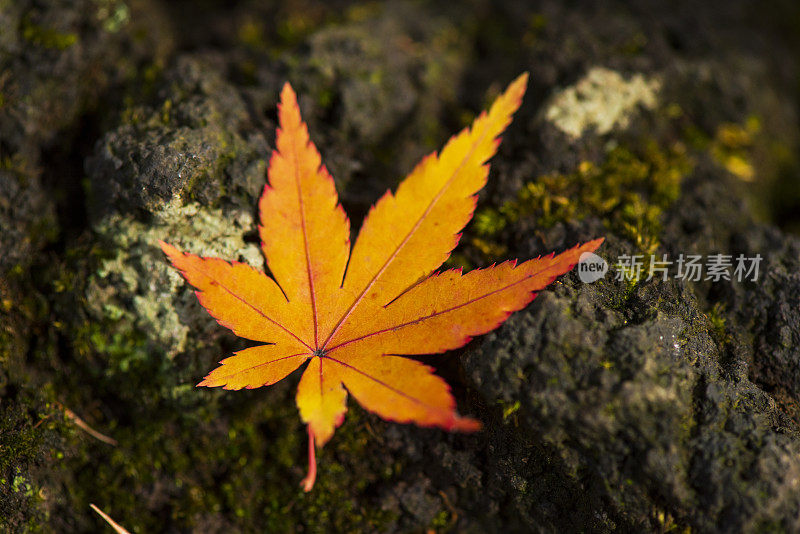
point(517, 88)
point(595, 243)
point(590, 246)
point(288, 110)
point(168, 249)
point(208, 382)
point(287, 93)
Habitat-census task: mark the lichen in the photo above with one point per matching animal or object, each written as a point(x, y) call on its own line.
point(136, 283)
point(601, 101)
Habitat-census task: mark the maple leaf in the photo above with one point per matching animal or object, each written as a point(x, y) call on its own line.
point(352, 317)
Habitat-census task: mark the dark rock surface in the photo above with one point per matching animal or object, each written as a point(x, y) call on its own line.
point(633, 405)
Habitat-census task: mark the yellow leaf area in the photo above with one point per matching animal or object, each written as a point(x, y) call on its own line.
point(352, 317)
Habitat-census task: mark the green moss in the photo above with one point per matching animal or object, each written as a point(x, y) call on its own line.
point(717, 320)
point(240, 476)
point(121, 346)
point(732, 146)
point(28, 425)
point(510, 409)
point(251, 33)
point(298, 22)
point(47, 37)
point(112, 14)
point(16, 272)
point(325, 97)
point(630, 190)
point(537, 22)
point(348, 468)
point(166, 110)
point(440, 522)
point(217, 457)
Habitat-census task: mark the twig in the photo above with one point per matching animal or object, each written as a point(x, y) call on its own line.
point(116, 526)
point(80, 423)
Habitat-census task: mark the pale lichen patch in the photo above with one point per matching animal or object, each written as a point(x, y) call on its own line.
point(602, 100)
point(137, 285)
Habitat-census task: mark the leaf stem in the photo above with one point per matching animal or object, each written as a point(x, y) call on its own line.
point(311, 477)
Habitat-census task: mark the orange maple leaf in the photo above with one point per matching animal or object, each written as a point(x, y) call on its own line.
point(353, 316)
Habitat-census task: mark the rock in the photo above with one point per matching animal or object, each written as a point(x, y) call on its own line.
point(27, 218)
point(371, 81)
point(186, 148)
point(642, 406)
point(58, 58)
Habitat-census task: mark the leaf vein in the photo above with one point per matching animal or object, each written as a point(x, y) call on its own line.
point(411, 232)
point(252, 306)
point(257, 366)
point(440, 312)
point(384, 384)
